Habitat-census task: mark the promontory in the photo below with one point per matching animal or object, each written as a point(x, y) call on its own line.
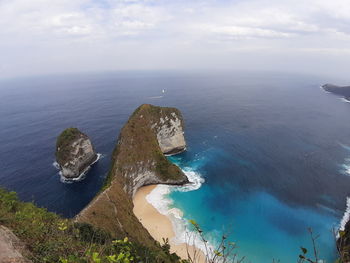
point(138, 160)
point(74, 153)
point(339, 90)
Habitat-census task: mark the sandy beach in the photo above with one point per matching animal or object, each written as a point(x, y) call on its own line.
point(158, 225)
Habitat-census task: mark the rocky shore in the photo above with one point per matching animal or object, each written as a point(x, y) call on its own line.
point(74, 153)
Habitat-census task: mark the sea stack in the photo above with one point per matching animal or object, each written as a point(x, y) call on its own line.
point(74, 153)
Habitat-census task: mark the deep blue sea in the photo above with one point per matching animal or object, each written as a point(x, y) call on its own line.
point(273, 149)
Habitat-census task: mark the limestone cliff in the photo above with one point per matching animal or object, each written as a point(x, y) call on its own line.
point(74, 153)
point(138, 160)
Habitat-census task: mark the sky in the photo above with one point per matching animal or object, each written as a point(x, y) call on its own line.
point(66, 36)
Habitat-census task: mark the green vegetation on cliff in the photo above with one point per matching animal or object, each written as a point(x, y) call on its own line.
point(51, 238)
point(136, 161)
point(137, 143)
point(64, 141)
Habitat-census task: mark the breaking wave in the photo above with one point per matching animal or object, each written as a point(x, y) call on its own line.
point(346, 216)
point(81, 176)
point(159, 198)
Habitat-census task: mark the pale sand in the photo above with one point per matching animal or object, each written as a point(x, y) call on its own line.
point(160, 226)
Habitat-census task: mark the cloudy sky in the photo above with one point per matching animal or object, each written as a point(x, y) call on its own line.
point(58, 36)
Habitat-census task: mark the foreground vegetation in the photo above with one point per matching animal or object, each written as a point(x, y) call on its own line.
point(51, 238)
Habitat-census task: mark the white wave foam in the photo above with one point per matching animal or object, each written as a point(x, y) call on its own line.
point(345, 100)
point(195, 179)
point(322, 88)
point(346, 216)
point(82, 175)
point(160, 200)
point(346, 169)
point(56, 165)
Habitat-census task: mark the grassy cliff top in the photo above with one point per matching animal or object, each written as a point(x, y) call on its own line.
point(51, 238)
point(64, 142)
point(138, 144)
point(67, 136)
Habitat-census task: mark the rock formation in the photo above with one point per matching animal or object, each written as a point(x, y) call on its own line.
point(74, 153)
point(339, 90)
point(170, 134)
point(11, 248)
point(138, 160)
point(343, 243)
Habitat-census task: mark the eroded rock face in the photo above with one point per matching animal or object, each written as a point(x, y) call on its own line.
point(138, 160)
point(170, 134)
point(74, 153)
point(11, 248)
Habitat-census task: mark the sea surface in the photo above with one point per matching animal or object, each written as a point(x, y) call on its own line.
point(270, 152)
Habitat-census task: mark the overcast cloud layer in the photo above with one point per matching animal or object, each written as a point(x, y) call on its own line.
point(57, 36)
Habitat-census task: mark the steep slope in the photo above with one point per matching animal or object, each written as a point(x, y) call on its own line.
point(32, 234)
point(343, 243)
point(138, 160)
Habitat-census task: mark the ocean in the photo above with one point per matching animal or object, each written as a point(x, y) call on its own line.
point(270, 152)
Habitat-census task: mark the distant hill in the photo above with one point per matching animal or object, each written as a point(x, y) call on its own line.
point(339, 90)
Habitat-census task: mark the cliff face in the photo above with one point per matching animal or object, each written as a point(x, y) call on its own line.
point(74, 153)
point(343, 243)
point(138, 160)
point(170, 134)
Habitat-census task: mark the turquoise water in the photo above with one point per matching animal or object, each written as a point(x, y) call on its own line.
point(262, 227)
point(272, 148)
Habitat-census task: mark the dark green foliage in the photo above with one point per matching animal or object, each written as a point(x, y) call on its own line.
point(63, 144)
point(343, 244)
point(51, 238)
point(87, 233)
point(67, 136)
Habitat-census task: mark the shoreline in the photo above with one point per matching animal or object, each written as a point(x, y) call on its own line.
point(81, 176)
point(160, 226)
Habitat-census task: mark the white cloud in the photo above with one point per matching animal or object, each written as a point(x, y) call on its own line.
point(74, 35)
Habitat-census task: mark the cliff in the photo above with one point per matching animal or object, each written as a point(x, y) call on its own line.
point(32, 234)
point(339, 90)
point(74, 153)
point(343, 243)
point(138, 160)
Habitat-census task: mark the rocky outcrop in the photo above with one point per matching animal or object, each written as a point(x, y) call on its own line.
point(343, 243)
point(74, 153)
point(11, 248)
point(138, 160)
point(170, 134)
point(339, 90)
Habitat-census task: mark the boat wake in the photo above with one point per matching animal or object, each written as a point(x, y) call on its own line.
point(155, 97)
